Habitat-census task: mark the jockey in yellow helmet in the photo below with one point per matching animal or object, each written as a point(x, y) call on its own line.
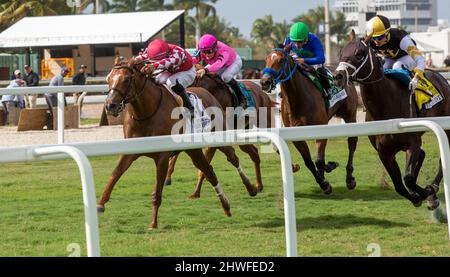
point(397, 47)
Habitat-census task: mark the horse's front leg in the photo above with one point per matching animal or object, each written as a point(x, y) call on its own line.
point(302, 147)
point(349, 179)
point(209, 155)
point(391, 165)
point(124, 163)
point(162, 165)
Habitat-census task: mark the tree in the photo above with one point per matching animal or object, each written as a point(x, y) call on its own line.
point(121, 6)
point(202, 10)
point(266, 31)
point(154, 5)
point(104, 5)
point(340, 27)
point(12, 11)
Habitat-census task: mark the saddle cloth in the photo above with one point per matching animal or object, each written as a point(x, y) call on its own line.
point(426, 95)
point(201, 122)
point(249, 99)
point(335, 94)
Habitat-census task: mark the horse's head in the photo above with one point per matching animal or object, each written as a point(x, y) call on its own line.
point(123, 81)
point(356, 61)
point(279, 65)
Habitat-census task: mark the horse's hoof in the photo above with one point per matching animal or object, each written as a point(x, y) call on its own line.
point(432, 202)
point(295, 168)
point(331, 166)
point(416, 200)
point(328, 190)
point(259, 188)
point(351, 184)
point(152, 227)
point(253, 191)
point(194, 196)
point(100, 208)
point(227, 213)
point(168, 182)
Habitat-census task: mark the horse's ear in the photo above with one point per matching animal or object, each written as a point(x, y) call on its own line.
point(368, 38)
point(352, 35)
point(119, 60)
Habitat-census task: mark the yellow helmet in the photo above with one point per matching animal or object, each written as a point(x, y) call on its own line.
point(378, 26)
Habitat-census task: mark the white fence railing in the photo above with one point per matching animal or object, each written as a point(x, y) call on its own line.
point(277, 136)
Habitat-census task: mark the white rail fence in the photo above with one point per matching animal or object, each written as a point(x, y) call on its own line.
point(79, 151)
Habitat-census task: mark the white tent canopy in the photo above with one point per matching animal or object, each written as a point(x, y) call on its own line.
point(427, 48)
point(86, 29)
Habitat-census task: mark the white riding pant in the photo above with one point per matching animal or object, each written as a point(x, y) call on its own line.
point(185, 78)
point(405, 61)
point(228, 73)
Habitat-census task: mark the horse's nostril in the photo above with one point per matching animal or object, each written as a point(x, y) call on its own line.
point(339, 76)
point(110, 106)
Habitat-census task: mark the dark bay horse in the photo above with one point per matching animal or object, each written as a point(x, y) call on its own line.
point(149, 108)
point(302, 104)
point(220, 91)
point(384, 99)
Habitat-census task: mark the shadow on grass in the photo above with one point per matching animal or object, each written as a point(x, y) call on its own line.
point(333, 222)
point(361, 194)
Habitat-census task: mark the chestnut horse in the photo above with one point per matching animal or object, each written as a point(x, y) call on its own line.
point(149, 114)
point(384, 99)
point(303, 104)
point(221, 92)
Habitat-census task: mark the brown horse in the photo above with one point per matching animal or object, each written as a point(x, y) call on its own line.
point(251, 73)
point(302, 104)
point(221, 92)
point(386, 98)
point(149, 114)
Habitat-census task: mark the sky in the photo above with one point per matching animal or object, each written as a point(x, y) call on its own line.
point(242, 13)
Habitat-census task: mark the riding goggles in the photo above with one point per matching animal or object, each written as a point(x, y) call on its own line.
point(378, 38)
point(209, 51)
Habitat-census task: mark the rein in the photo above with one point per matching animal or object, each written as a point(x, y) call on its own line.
point(128, 99)
point(285, 70)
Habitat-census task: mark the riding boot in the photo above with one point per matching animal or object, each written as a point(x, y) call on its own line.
point(323, 79)
point(179, 89)
point(235, 86)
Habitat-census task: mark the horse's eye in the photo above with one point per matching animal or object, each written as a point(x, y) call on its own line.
point(283, 60)
point(359, 55)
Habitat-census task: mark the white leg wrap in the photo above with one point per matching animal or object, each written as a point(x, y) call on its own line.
point(218, 190)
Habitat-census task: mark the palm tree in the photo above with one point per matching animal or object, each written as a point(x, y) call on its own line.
point(103, 5)
point(154, 5)
point(121, 6)
point(266, 31)
point(11, 11)
point(202, 10)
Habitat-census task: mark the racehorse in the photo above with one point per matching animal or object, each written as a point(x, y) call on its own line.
point(251, 73)
point(149, 108)
point(302, 104)
point(386, 98)
point(221, 92)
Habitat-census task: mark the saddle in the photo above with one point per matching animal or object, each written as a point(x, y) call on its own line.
point(334, 94)
point(426, 95)
point(250, 101)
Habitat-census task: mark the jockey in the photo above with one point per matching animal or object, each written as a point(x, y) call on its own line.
point(222, 60)
point(397, 47)
point(178, 71)
point(308, 49)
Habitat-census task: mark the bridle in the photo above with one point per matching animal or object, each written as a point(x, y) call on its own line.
point(127, 97)
point(286, 69)
point(344, 66)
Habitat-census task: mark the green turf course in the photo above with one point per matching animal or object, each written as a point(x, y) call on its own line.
point(41, 210)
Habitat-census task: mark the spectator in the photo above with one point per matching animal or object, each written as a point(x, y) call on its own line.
point(52, 98)
point(429, 61)
point(32, 80)
point(79, 79)
point(9, 101)
point(447, 61)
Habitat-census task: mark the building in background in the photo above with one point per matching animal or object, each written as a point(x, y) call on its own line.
point(413, 15)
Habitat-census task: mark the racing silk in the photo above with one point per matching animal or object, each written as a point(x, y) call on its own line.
point(224, 57)
point(312, 52)
point(178, 60)
point(399, 45)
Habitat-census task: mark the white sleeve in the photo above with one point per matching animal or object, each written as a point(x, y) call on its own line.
point(409, 47)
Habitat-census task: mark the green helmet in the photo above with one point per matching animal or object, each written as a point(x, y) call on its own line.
point(299, 32)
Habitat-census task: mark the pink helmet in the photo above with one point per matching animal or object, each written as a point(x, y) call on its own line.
point(157, 49)
point(207, 42)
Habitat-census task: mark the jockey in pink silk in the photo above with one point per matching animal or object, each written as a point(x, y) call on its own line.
point(222, 60)
point(178, 70)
